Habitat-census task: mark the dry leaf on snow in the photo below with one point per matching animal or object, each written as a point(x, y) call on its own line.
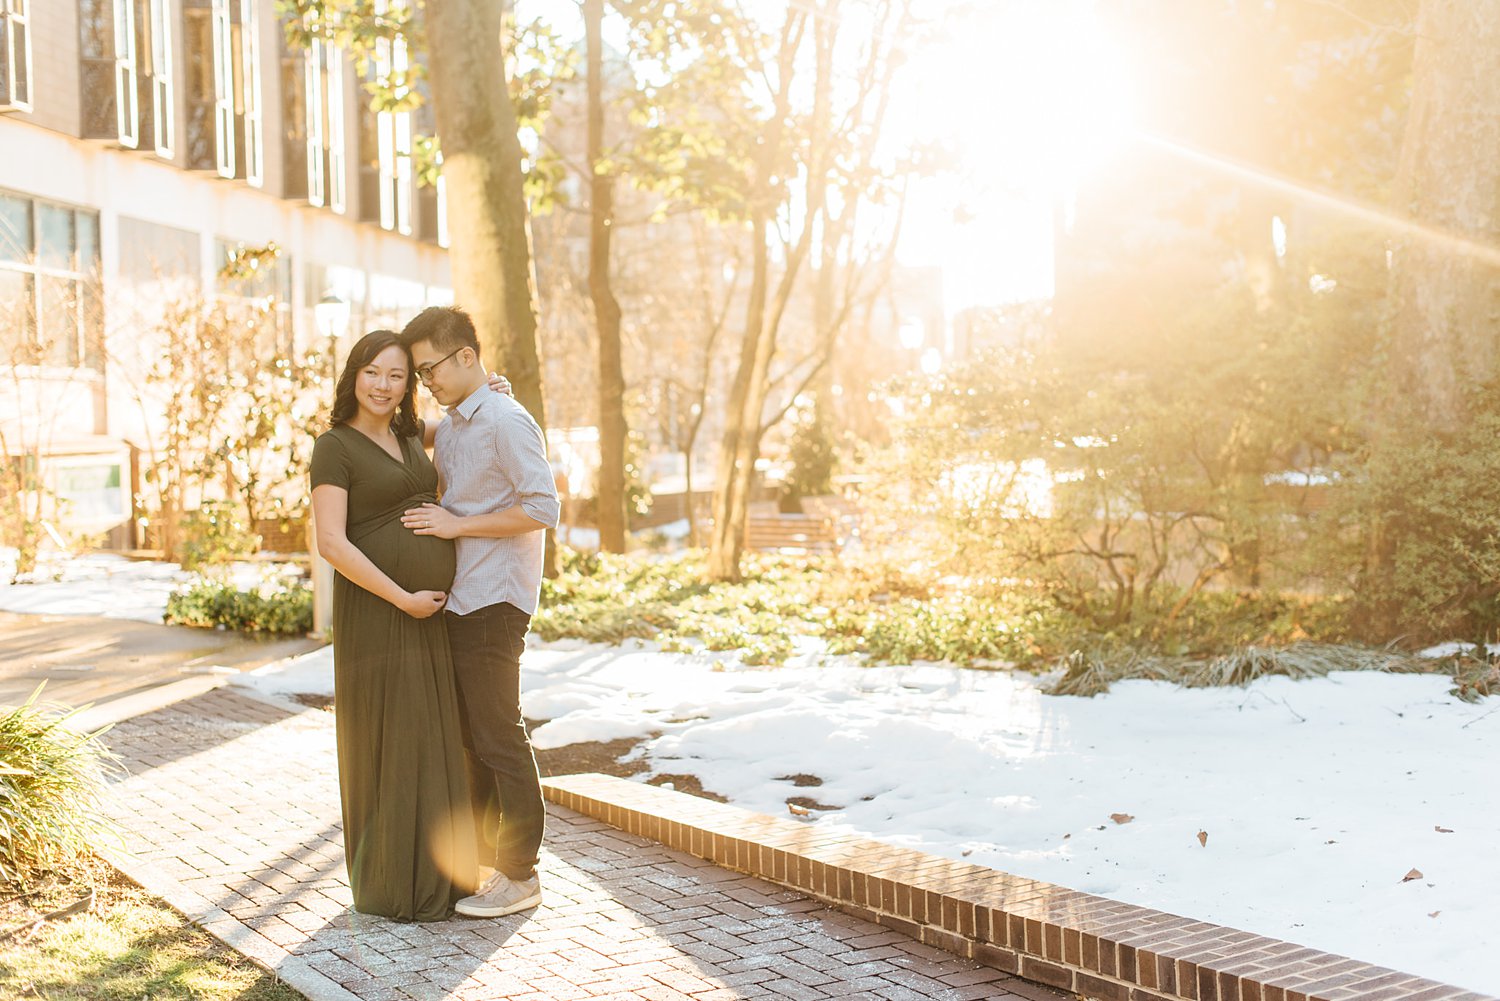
point(1121, 818)
point(1443, 830)
point(1414, 874)
point(1203, 838)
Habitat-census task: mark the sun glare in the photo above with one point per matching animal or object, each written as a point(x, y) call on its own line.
point(1030, 98)
point(1033, 92)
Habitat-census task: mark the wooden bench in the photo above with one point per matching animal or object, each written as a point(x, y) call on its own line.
point(802, 533)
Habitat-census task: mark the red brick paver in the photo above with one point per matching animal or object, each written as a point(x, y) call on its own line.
point(231, 812)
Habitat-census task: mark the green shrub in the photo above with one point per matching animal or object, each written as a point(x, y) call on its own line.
point(209, 604)
point(51, 778)
point(214, 535)
point(1419, 505)
point(897, 614)
point(599, 623)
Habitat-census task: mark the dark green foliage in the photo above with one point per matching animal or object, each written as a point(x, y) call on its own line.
point(1422, 525)
point(210, 604)
point(812, 455)
point(215, 534)
point(959, 629)
point(893, 614)
point(51, 778)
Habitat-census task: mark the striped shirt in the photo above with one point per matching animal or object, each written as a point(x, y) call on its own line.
point(491, 456)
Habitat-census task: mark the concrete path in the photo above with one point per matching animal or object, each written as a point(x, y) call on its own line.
point(230, 811)
point(91, 659)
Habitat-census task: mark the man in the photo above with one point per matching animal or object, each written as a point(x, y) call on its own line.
point(498, 497)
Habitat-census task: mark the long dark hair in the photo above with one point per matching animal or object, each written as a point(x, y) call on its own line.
point(345, 405)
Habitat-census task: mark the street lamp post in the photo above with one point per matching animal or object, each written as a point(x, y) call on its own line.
point(331, 317)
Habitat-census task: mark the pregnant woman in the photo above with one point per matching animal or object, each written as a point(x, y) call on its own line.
point(408, 840)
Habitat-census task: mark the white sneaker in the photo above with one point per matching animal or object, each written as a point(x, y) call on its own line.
point(501, 895)
point(488, 883)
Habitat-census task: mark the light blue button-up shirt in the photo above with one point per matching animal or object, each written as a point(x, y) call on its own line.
point(490, 456)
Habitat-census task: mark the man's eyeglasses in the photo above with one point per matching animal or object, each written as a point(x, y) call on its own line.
point(424, 372)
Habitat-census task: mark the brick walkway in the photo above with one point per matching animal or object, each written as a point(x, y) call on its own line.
point(231, 813)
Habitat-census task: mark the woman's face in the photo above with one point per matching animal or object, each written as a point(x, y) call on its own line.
point(382, 383)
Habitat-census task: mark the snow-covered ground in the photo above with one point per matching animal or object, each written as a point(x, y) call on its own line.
point(1316, 798)
point(109, 585)
point(92, 584)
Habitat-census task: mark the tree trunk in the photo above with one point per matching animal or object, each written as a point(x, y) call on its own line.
point(610, 493)
point(733, 482)
point(1446, 298)
point(488, 226)
point(747, 398)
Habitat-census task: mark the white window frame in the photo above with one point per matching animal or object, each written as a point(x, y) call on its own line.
point(337, 157)
point(223, 56)
point(385, 138)
point(312, 69)
point(401, 63)
point(15, 19)
point(255, 129)
point(127, 97)
point(441, 205)
point(163, 90)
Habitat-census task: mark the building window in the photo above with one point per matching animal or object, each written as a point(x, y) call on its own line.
point(255, 143)
point(338, 158)
point(163, 114)
point(96, 69)
point(225, 127)
point(294, 122)
point(125, 73)
point(93, 489)
point(49, 285)
point(432, 199)
point(222, 54)
point(441, 208)
point(127, 110)
point(198, 127)
point(155, 255)
point(15, 54)
point(312, 63)
point(324, 69)
point(393, 137)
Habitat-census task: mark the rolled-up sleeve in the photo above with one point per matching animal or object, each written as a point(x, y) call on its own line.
point(522, 453)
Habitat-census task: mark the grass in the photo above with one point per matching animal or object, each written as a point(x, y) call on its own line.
point(131, 946)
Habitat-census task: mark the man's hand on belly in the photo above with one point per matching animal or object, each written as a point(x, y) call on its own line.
point(432, 519)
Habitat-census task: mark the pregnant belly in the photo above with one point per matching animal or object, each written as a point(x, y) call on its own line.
point(415, 562)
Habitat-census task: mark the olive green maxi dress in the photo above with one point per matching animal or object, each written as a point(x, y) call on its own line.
point(402, 773)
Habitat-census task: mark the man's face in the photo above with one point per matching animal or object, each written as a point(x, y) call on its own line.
point(442, 374)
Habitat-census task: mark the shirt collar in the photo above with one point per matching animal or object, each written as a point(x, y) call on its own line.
point(470, 403)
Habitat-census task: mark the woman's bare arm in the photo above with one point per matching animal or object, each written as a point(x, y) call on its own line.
point(330, 515)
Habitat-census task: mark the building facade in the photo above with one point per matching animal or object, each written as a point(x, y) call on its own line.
point(144, 144)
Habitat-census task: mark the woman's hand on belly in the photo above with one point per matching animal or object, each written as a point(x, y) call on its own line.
point(423, 604)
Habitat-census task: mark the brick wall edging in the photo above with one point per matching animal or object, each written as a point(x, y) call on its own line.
point(1080, 942)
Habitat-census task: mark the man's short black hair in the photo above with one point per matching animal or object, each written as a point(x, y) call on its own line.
point(447, 328)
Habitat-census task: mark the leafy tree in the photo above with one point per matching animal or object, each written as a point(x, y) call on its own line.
point(476, 92)
point(232, 413)
point(777, 155)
